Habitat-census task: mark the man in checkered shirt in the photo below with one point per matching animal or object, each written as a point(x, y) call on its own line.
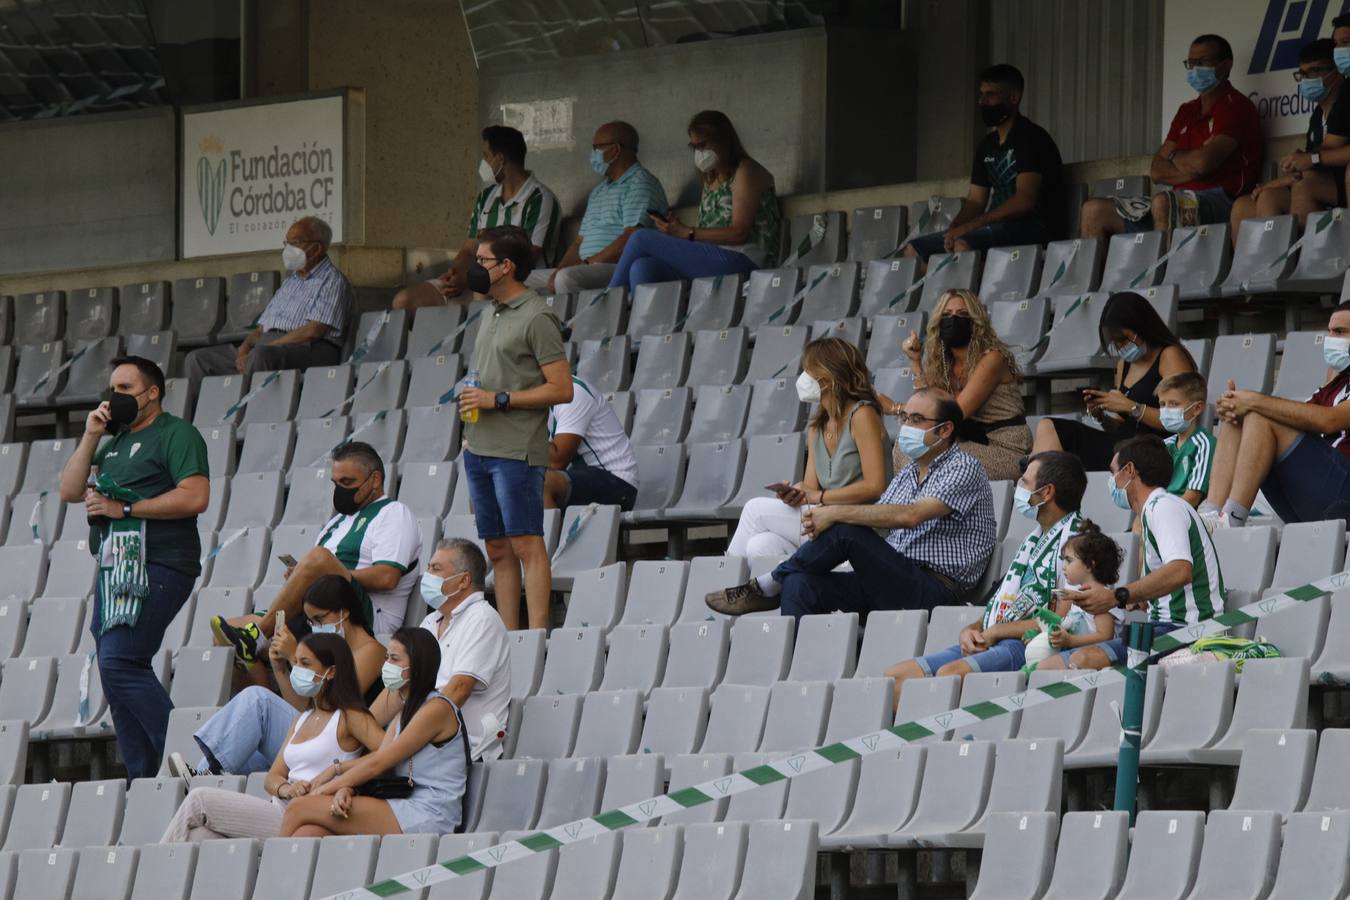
point(939, 511)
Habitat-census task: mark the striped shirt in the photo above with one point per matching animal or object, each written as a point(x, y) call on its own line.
point(604, 445)
point(1191, 462)
point(324, 295)
point(619, 204)
point(957, 545)
point(533, 208)
point(1172, 531)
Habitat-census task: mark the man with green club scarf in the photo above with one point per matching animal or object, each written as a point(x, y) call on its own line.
point(152, 481)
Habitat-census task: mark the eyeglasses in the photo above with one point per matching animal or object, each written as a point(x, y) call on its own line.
point(605, 144)
point(484, 260)
point(1319, 72)
point(1208, 62)
point(915, 419)
point(296, 243)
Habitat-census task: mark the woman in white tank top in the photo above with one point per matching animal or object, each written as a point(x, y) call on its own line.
point(323, 737)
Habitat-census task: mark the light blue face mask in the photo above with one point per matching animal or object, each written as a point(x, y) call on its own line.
point(430, 589)
point(1342, 57)
point(1022, 502)
point(304, 682)
point(598, 160)
point(1118, 495)
point(1201, 78)
point(1174, 418)
point(327, 627)
point(1312, 90)
point(911, 440)
point(1131, 352)
point(1336, 352)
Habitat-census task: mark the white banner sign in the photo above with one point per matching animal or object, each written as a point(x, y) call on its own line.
point(1266, 36)
point(249, 172)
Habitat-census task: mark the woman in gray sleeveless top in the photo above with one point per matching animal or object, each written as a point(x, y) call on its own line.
point(846, 458)
point(424, 745)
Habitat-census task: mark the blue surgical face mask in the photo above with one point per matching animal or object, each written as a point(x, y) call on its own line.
point(1022, 502)
point(327, 627)
point(598, 160)
point(304, 682)
point(430, 589)
point(1336, 352)
point(1201, 78)
point(1131, 352)
point(911, 440)
point(1312, 90)
point(1118, 495)
point(1342, 57)
point(1174, 418)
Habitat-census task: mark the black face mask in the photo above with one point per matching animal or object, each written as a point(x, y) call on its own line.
point(122, 411)
point(994, 115)
point(344, 498)
point(478, 279)
point(954, 330)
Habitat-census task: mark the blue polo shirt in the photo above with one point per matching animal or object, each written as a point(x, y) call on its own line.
point(616, 205)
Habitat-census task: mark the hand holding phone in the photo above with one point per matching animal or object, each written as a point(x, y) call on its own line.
point(657, 214)
point(288, 561)
point(778, 487)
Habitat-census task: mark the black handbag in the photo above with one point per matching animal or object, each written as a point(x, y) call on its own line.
point(388, 787)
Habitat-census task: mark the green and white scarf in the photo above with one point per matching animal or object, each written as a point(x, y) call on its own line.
point(1031, 577)
point(122, 579)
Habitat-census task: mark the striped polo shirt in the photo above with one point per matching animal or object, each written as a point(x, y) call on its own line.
point(533, 208)
point(619, 204)
point(1172, 530)
point(323, 295)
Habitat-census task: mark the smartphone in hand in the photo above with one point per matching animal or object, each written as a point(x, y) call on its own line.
point(288, 561)
point(778, 487)
point(657, 214)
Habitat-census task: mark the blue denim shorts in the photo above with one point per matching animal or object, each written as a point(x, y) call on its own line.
point(507, 496)
point(591, 484)
point(1310, 482)
point(996, 234)
point(1115, 648)
point(1007, 655)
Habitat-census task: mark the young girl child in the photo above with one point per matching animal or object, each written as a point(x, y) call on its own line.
point(1090, 559)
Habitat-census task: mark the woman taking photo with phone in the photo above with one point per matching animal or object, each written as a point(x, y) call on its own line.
point(846, 458)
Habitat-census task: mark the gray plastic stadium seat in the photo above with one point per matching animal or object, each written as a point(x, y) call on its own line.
point(528, 878)
point(548, 726)
point(389, 340)
point(1027, 778)
point(1100, 746)
point(1199, 267)
point(13, 751)
point(255, 499)
point(1298, 630)
point(633, 779)
point(35, 362)
point(961, 273)
point(1239, 857)
point(736, 719)
point(714, 858)
point(715, 303)
point(184, 722)
point(201, 676)
point(198, 309)
point(587, 865)
point(1065, 719)
point(1018, 855)
point(72, 704)
point(769, 458)
point(774, 408)
point(637, 657)
point(71, 568)
point(344, 863)
point(178, 400)
point(151, 803)
point(383, 387)
point(831, 292)
point(105, 872)
point(26, 560)
point(719, 414)
point(1072, 267)
point(830, 246)
point(310, 501)
point(95, 814)
point(249, 293)
point(527, 661)
point(605, 362)
point(1022, 324)
point(323, 389)
point(663, 473)
point(1090, 862)
point(720, 357)
point(663, 361)
point(923, 697)
point(241, 563)
point(41, 808)
point(1302, 368)
point(778, 350)
point(707, 574)
point(933, 214)
point(980, 686)
point(852, 329)
point(39, 318)
point(1075, 342)
point(611, 722)
point(428, 438)
point(1124, 186)
point(595, 544)
point(890, 636)
point(1098, 507)
point(1316, 857)
point(1247, 359)
point(956, 779)
point(1128, 257)
point(1196, 710)
point(383, 430)
point(143, 308)
point(676, 721)
point(698, 653)
point(515, 788)
point(657, 307)
point(45, 461)
point(655, 591)
point(599, 313)
point(432, 325)
point(87, 377)
point(648, 866)
point(267, 446)
point(164, 871)
point(826, 647)
point(53, 627)
point(468, 887)
point(220, 448)
point(425, 488)
point(769, 298)
point(286, 868)
point(887, 287)
point(1247, 559)
point(761, 651)
point(1324, 256)
point(1276, 770)
point(315, 440)
point(157, 346)
point(1259, 243)
point(944, 625)
point(1010, 273)
point(662, 417)
point(571, 792)
point(780, 861)
point(26, 689)
point(714, 473)
point(13, 460)
point(689, 771)
point(1308, 551)
point(1274, 694)
point(215, 397)
point(875, 232)
point(473, 319)
point(796, 716)
point(226, 869)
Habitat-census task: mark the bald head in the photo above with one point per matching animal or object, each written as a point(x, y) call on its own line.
point(618, 141)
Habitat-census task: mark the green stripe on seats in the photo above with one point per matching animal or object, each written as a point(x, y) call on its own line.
point(388, 888)
point(910, 731)
point(762, 775)
point(463, 865)
point(688, 797)
point(1306, 592)
point(984, 710)
point(615, 819)
point(836, 753)
point(1059, 689)
point(539, 842)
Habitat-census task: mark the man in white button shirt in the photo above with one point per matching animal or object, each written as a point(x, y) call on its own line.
point(589, 457)
point(475, 668)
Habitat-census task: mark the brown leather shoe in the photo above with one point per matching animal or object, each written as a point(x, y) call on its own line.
point(741, 599)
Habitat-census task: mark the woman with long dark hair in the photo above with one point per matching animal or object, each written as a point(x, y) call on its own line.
point(1147, 352)
point(334, 728)
point(424, 747)
point(739, 222)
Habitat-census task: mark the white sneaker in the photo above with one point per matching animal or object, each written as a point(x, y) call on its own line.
point(1213, 520)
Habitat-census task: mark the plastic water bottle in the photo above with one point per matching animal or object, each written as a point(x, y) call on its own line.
point(470, 380)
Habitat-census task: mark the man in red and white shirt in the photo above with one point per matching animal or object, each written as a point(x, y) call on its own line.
point(1212, 155)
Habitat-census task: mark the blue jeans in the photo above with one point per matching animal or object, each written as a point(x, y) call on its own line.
point(882, 578)
point(1115, 649)
point(507, 495)
point(1310, 482)
point(1007, 655)
point(996, 234)
point(247, 733)
point(140, 706)
point(650, 256)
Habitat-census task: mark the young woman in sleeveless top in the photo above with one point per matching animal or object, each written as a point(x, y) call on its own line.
point(326, 735)
point(846, 460)
point(423, 744)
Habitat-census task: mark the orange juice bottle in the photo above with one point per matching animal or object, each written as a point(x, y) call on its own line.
point(470, 380)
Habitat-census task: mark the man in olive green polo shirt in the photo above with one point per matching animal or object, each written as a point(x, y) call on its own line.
point(152, 483)
point(522, 371)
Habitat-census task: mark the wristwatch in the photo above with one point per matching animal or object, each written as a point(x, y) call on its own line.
point(126, 510)
point(503, 400)
point(1122, 597)
point(1315, 158)
point(1137, 411)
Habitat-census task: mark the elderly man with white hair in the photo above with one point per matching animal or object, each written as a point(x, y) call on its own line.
point(304, 324)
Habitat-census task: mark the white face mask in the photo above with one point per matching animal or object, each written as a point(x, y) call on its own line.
point(808, 389)
point(705, 160)
point(486, 173)
point(292, 257)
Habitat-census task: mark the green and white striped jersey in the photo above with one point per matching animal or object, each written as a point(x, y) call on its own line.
point(533, 208)
point(1172, 530)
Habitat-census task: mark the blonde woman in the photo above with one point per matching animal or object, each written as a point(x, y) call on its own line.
point(846, 460)
point(961, 354)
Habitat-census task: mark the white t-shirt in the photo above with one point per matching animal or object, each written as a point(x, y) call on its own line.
point(391, 538)
point(475, 644)
point(604, 444)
